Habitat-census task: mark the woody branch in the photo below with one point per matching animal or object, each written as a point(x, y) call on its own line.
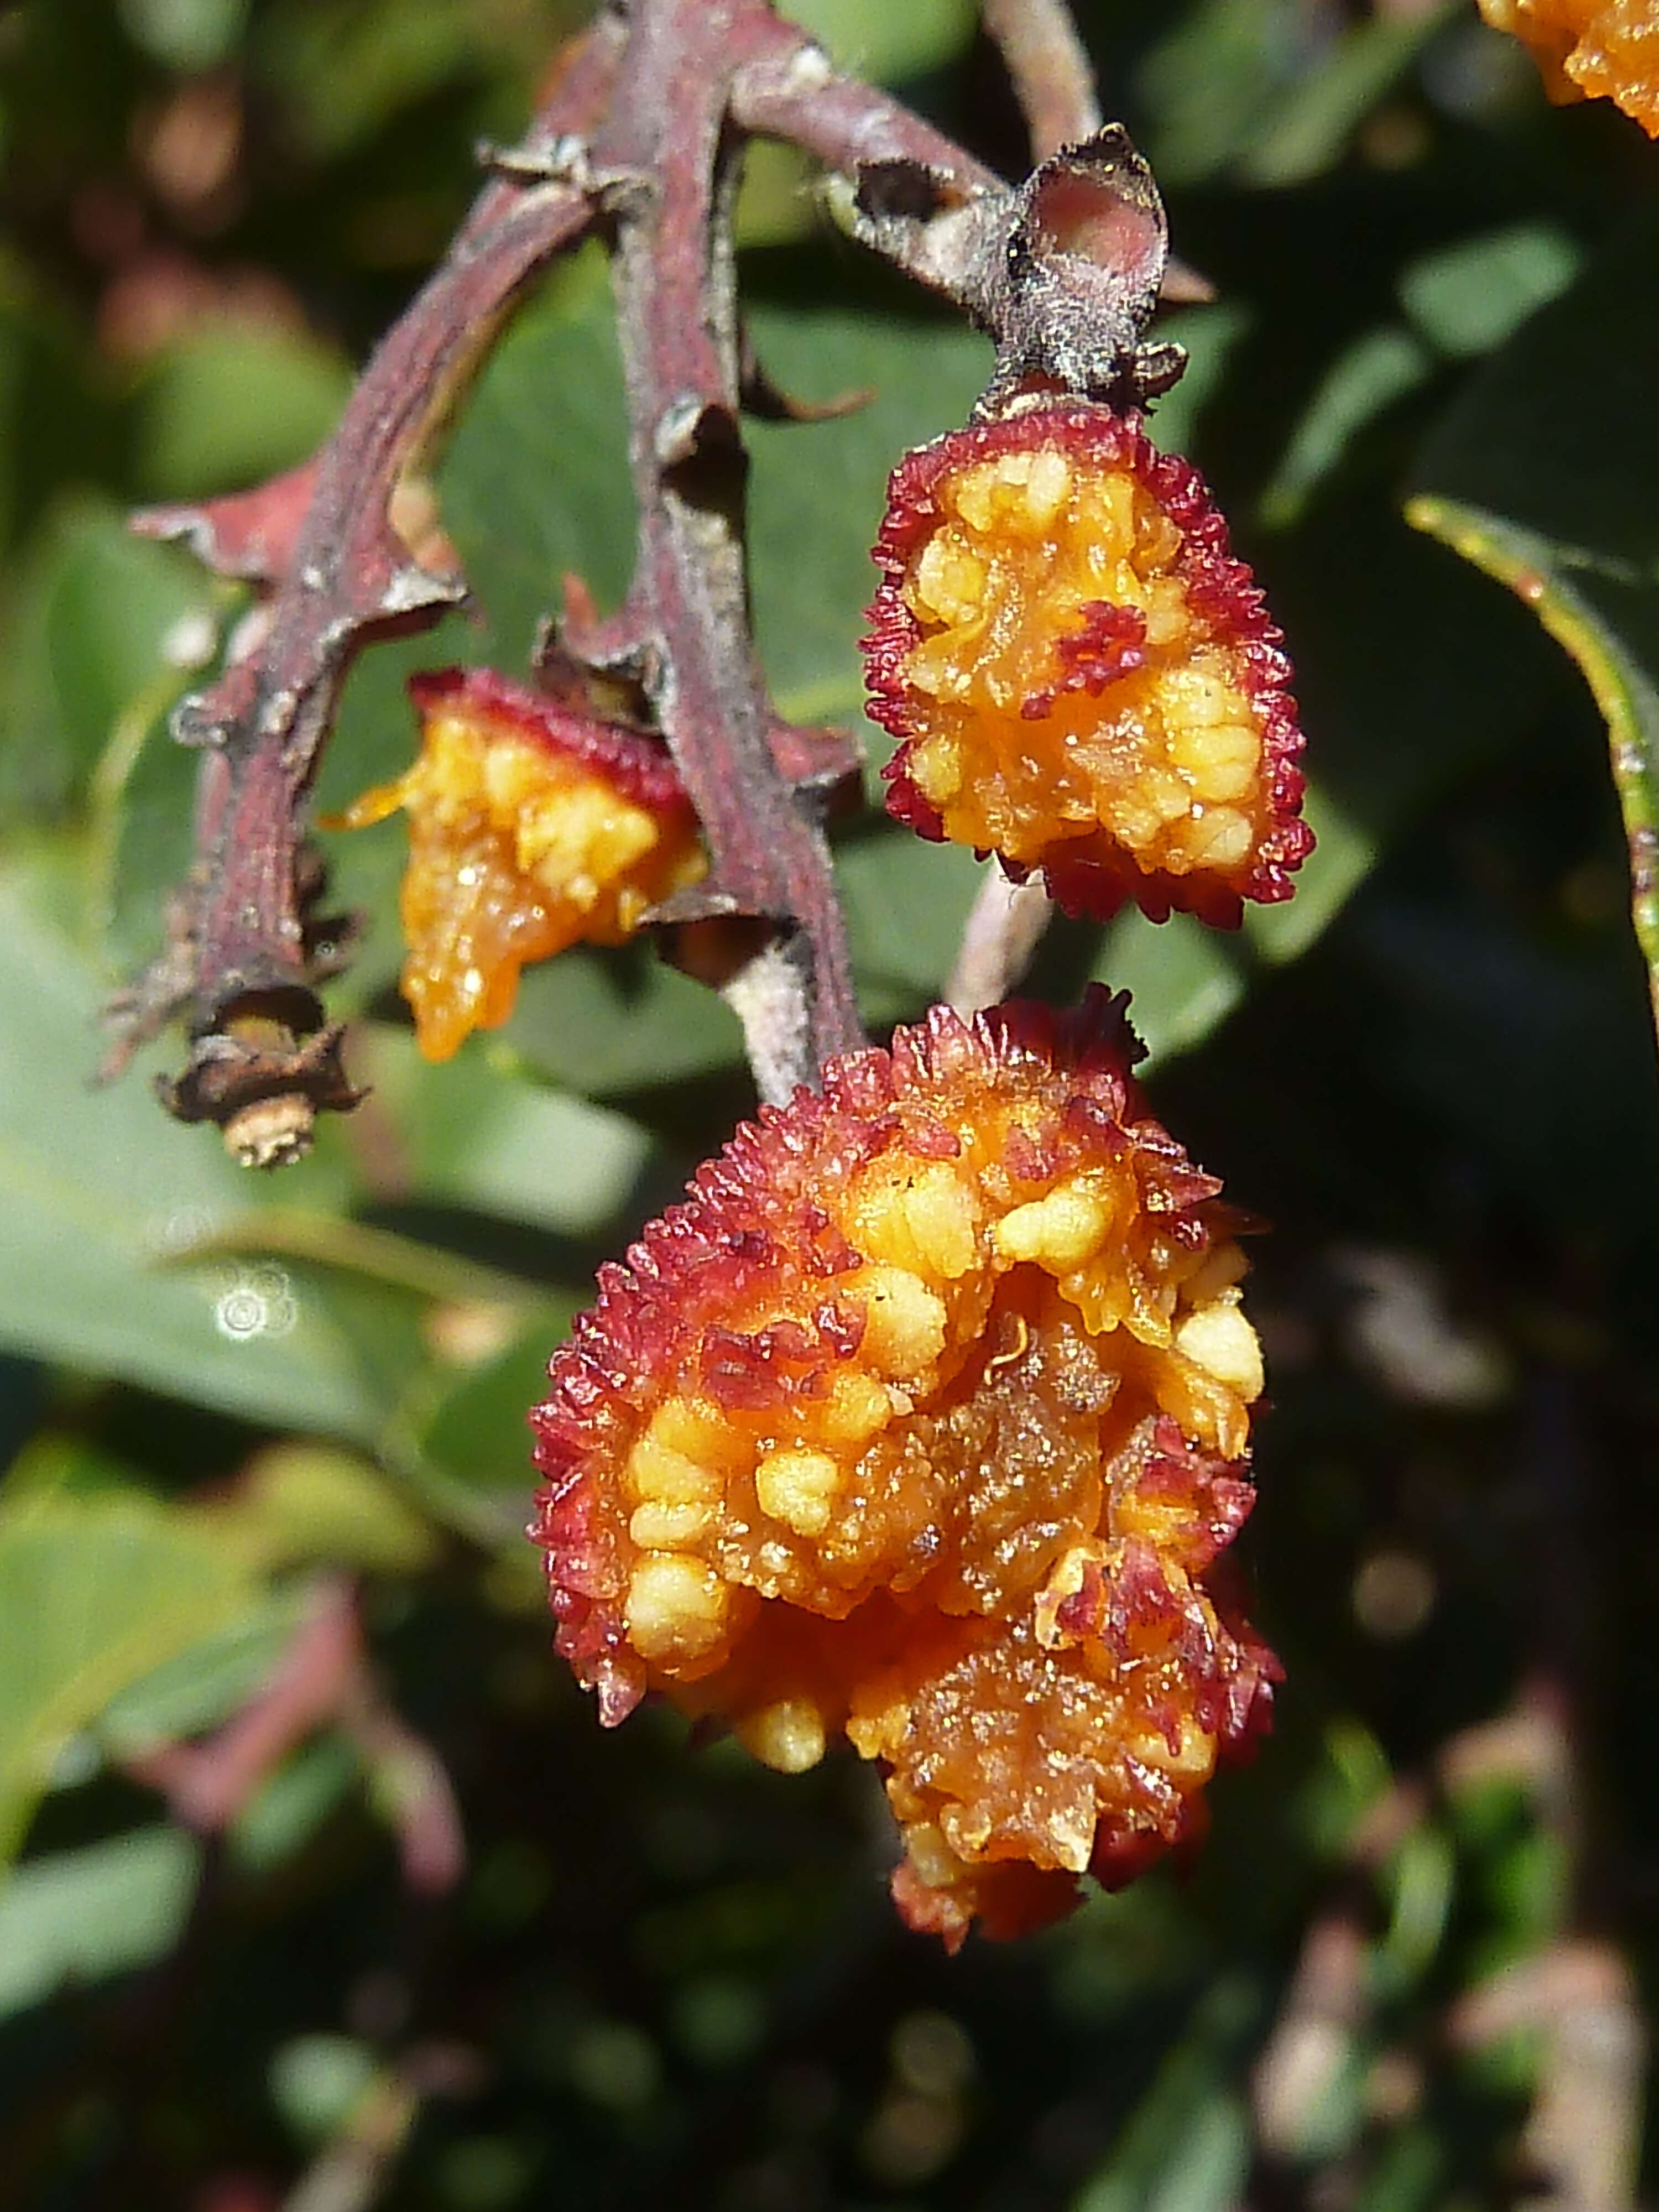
point(640, 138)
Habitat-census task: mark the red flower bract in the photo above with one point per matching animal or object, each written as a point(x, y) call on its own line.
point(1084, 680)
point(923, 1420)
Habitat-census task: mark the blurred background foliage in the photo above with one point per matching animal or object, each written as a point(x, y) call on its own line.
point(325, 1890)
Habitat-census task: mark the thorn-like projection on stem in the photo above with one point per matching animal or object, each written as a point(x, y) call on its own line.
point(640, 138)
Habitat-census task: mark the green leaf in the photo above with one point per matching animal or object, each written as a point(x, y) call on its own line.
point(1209, 334)
point(1556, 501)
point(188, 35)
point(292, 1804)
point(1409, 2175)
point(1343, 856)
point(1364, 380)
point(1260, 88)
point(534, 483)
point(71, 1917)
point(204, 1686)
point(1610, 623)
point(1308, 130)
point(344, 72)
point(302, 1502)
point(1209, 82)
point(228, 406)
point(101, 1190)
point(482, 1136)
point(819, 488)
point(906, 903)
point(477, 1435)
point(606, 1024)
point(1187, 2147)
point(1468, 298)
point(94, 1594)
point(316, 2081)
point(886, 44)
point(93, 625)
point(1184, 980)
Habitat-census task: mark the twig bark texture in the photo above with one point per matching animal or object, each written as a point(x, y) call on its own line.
point(640, 140)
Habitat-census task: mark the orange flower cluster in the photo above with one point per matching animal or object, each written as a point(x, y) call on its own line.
point(1590, 49)
point(923, 1420)
point(532, 828)
point(1084, 680)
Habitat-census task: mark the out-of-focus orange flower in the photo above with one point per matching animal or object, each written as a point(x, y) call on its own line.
point(1084, 680)
point(1590, 49)
point(532, 828)
point(923, 1420)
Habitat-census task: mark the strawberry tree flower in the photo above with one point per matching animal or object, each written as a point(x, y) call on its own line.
point(923, 1420)
point(532, 827)
point(1083, 679)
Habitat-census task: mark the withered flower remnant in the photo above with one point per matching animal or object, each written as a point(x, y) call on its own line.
point(532, 828)
point(1590, 50)
point(923, 1420)
point(1085, 681)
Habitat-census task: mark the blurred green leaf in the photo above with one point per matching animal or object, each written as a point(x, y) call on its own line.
point(1183, 979)
point(142, 816)
point(1271, 91)
point(1186, 979)
point(1556, 502)
point(1209, 335)
point(93, 621)
point(292, 1804)
point(604, 1025)
point(198, 1688)
point(1344, 855)
point(1422, 1877)
point(481, 1135)
point(227, 406)
point(100, 1189)
point(1210, 79)
point(316, 2080)
point(886, 44)
point(94, 1594)
point(1468, 298)
point(1408, 2174)
point(71, 1917)
point(310, 1502)
point(534, 483)
point(1187, 2147)
point(478, 1433)
point(1349, 1780)
point(345, 68)
point(905, 903)
point(1606, 616)
point(1307, 128)
point(184, 34)
point(60, 424)
point(819, 488)
point(1361, 384)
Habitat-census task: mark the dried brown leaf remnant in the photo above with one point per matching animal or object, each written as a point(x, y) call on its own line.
point(1084, 680)
point(924, 1419)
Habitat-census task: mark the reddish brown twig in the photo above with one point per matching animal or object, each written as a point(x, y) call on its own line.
point(641, 138)
point(1051, 75)
point(247, 951)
